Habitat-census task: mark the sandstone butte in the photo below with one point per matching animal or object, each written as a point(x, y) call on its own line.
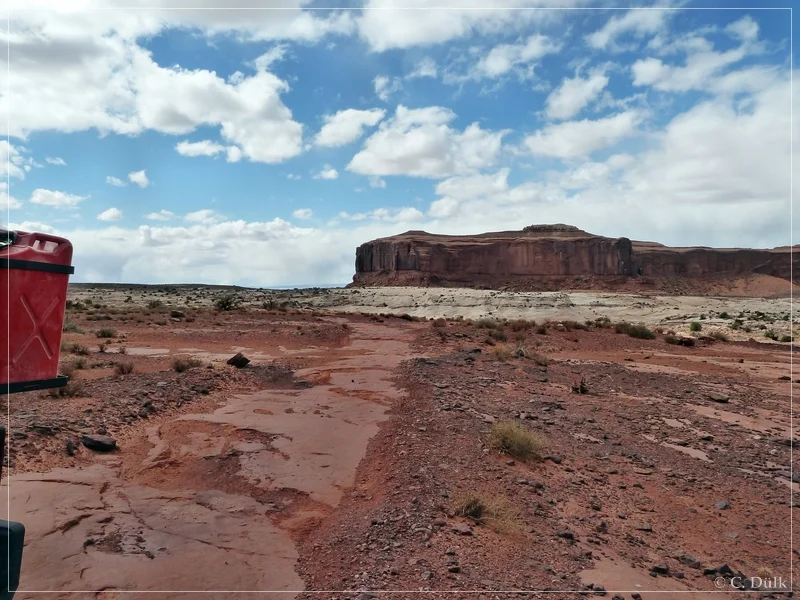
point(558, 257)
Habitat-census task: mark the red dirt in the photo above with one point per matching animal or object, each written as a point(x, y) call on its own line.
point(341, 460)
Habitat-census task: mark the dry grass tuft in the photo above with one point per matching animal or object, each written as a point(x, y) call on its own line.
point(510, 437)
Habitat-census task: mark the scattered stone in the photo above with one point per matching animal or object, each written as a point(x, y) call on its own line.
point(462, 529)
point(427, 575)
point(689, 561)
point(450, 551)
point(643, 527)
point(555, 459)
point(721, 398)
point(723, 505)
point(70, 448)
point(239, 360)
point(566, 534)
point(101, 443)
point(660, 569)
point(454, 569)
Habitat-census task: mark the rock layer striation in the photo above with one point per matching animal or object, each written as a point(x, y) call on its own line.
point(553, 256)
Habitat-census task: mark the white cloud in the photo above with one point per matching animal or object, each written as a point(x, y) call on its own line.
point(576, 139)
point(115, 181)
point(574, 94)
point(7, 201)
point(702, 66)
point(377, 182)
point(414, 23)
point(139, 178)
point(111, 214)
point(395, 215)
point(419, 143)
point(59, 162)
point(12, 160)
point(202, 148)
point(385, 87)
point(347, 126)
point(162, 215)
point(55, 198)
point(424, 68)
point(273, 55)
point(113, 85)
point(746, 29)
point(31, 226)
point(637, 22)
point(205, 216)
point(294, 177)
point(505, 57)
point(327, 172)
point(303, 213)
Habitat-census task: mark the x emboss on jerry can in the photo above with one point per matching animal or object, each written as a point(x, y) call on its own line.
point(34, 274)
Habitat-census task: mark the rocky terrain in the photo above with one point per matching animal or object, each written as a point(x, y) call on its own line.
point(356, 454)
point(557, 257)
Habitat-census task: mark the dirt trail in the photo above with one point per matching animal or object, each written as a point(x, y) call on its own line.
point(211, 501)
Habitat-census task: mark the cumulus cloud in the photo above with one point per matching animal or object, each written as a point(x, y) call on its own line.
point(377, 182)
point(294, 177)
point(576, 139)
point(638, 23)
point(420, 143)
point(12, 160)
point(162, 215)
point(139, 178)
point(205, 216)
point(385, 87)
point(7, 201)
point(574, 94)
point(347, 126)
point(303, 213)
point(505, 57)
point(115, 181)
point(327, 172)
point(424, 68)
point(59, 162)
point(111, 214)
point(56, 198)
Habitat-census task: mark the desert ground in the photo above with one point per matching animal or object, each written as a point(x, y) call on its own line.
point(408, 442)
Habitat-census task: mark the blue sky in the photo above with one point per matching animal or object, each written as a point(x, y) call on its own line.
point(261, 147)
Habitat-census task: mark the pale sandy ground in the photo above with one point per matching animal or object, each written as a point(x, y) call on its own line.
point(673, 313)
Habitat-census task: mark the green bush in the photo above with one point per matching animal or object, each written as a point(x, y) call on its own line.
point(695, 326)
point(105, 333)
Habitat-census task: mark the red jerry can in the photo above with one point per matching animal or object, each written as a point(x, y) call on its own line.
point(34, 273)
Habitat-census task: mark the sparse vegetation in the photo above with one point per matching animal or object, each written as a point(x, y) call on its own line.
point(101, 348)
point(154, 304)
point(74, 348)
point(786, 338)
point(105, 333)
point(498, 335)
point(176, 314)
point(521, 324)
point(770, 334)
point(122, 350)
point(502, 353)
point(496, 512)
point(695, 326)
point(635, 331)
point(724, 315)
point(123, 368)
point(439, 323)
point(542, 329)
point(71, 327)
point(570, 325)
point(737, 324)
point(719, 335)
point(514, 439)
point(179, 365)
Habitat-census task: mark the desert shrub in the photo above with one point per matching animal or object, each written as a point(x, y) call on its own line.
point(105, 333)
point(123, 368)
point(68, 369)
point(770, 334)
point(72, 389)
point(671, 339)
point(498, 334)
point(542, 329)
point(128, 299)
point(570, 325)
point(122, 350)
point(74, 348)
point(514, 439)
point(786, 338)
point(485, 323)
point(495, 511)
point(695, 326)
point(176, 314)
point(635, 331)
point(702, 317)
point(226, 302)
point(160, 322)
point(521, 324)
point(719, 335)
point(503, 353)
point(153, 304)
point(179, 365)
point(737, 324)
point(189, 319)
point(724, 315)
point(520, 351)
point(71, 327)
point(539, 359)
point(439, 323)
point(101, 348)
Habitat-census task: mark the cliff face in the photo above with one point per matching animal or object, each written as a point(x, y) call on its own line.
point(548, 257)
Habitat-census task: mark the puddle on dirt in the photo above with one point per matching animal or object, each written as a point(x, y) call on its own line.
point(618, 577)
point(759, 424)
